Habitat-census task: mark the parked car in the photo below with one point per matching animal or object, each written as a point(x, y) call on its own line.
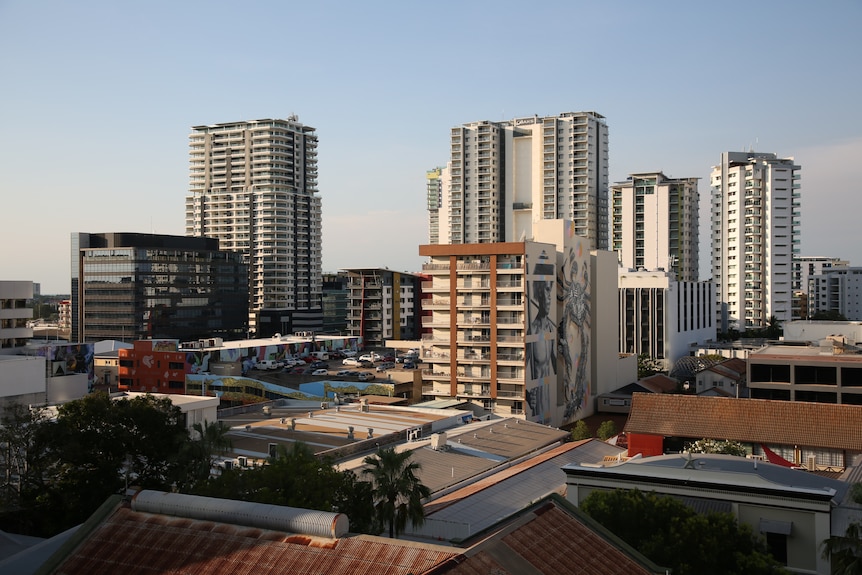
point(350, 361)
point(320, 372)
point(348, 353)
point(298, 370)
point(366, 364)
point(370, 357)
point(319, 365)
point(366, 376)
point(267, 364)
point(408, 365)
point(385, 365)
point(345, 373)
point(388, 358)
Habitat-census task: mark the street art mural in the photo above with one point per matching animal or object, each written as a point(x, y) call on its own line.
point(574, 300)
point(541, 339)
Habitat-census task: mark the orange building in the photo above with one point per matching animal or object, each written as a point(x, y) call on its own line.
point(154, 366)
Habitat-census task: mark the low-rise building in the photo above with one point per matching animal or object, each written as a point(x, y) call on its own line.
point(791, 509)
point(830, 372)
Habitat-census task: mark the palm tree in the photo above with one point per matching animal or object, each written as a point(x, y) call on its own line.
point(397, 492)
point(208, 439)
point(845, 551)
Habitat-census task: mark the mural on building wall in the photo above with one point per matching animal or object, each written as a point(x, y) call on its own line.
point(541, 352)
point(573, 296)
point(200, 361)
point(69, 359)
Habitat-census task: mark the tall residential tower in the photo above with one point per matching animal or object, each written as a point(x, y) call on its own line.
point(504, 176)
point(655, 224)
point(755, 234)
point(254, 188)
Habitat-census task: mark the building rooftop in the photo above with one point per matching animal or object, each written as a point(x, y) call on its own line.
point(482, 503)
point(551, 537)
point(723, 472)
point(324, 429)
point(816, 425)
point(119, 538)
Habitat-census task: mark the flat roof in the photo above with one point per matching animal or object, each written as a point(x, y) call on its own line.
point(722, 472)
point(280, 340)
point(322, 429)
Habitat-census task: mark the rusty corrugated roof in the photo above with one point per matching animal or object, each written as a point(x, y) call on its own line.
point(816, 425)
point(135, 543)
point(555, 541)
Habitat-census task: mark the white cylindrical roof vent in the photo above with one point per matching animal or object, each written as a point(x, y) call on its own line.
point(264, 516)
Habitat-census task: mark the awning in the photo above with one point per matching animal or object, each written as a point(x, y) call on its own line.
point(773, 457)
point(772, 526)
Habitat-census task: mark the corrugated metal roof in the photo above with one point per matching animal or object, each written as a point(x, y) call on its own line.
point(503, 494)
point(506, 438)
point(135, 543)
point(550, 540)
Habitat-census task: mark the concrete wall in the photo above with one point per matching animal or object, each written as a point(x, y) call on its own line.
point(604, 347)
point(67, 388)
point(22, 375)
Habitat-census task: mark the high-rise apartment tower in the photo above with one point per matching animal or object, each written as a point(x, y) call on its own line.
point(655, 223)
point(253, 187)
point(755, 233)
point(503, 176)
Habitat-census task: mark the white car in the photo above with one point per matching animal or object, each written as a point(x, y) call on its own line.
point(370, 357)
point(319, 372)
point(350, 361)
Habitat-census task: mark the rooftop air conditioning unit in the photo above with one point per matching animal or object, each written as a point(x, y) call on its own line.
point(438, 441)
point(812, 463)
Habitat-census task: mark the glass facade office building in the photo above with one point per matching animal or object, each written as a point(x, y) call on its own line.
point(128, 286)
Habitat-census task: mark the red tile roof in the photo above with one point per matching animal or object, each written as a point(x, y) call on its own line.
point(816, 425)
point(659, 383)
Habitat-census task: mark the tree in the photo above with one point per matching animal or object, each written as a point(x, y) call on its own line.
point(581, 431)
point(844, 552)
point(94, 448)
point(397, 492)
point(671, 534)
point(829, 315)
point(296, 477)
point(209, 439)
point(773, 329)
point(725, 447)
point(21, 465)
point(647, 366)
point(606, 430)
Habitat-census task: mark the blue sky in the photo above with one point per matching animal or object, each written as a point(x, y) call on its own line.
point(98, 98)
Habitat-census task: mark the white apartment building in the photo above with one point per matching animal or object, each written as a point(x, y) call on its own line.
point(503, 176)
point(15, 313)
point(804, 268)
point(755, 214)
point(655, 223)
point(253, 186)
point(839, 290)
point(662, 317)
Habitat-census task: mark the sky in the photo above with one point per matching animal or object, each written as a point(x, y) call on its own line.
point(97, 100)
